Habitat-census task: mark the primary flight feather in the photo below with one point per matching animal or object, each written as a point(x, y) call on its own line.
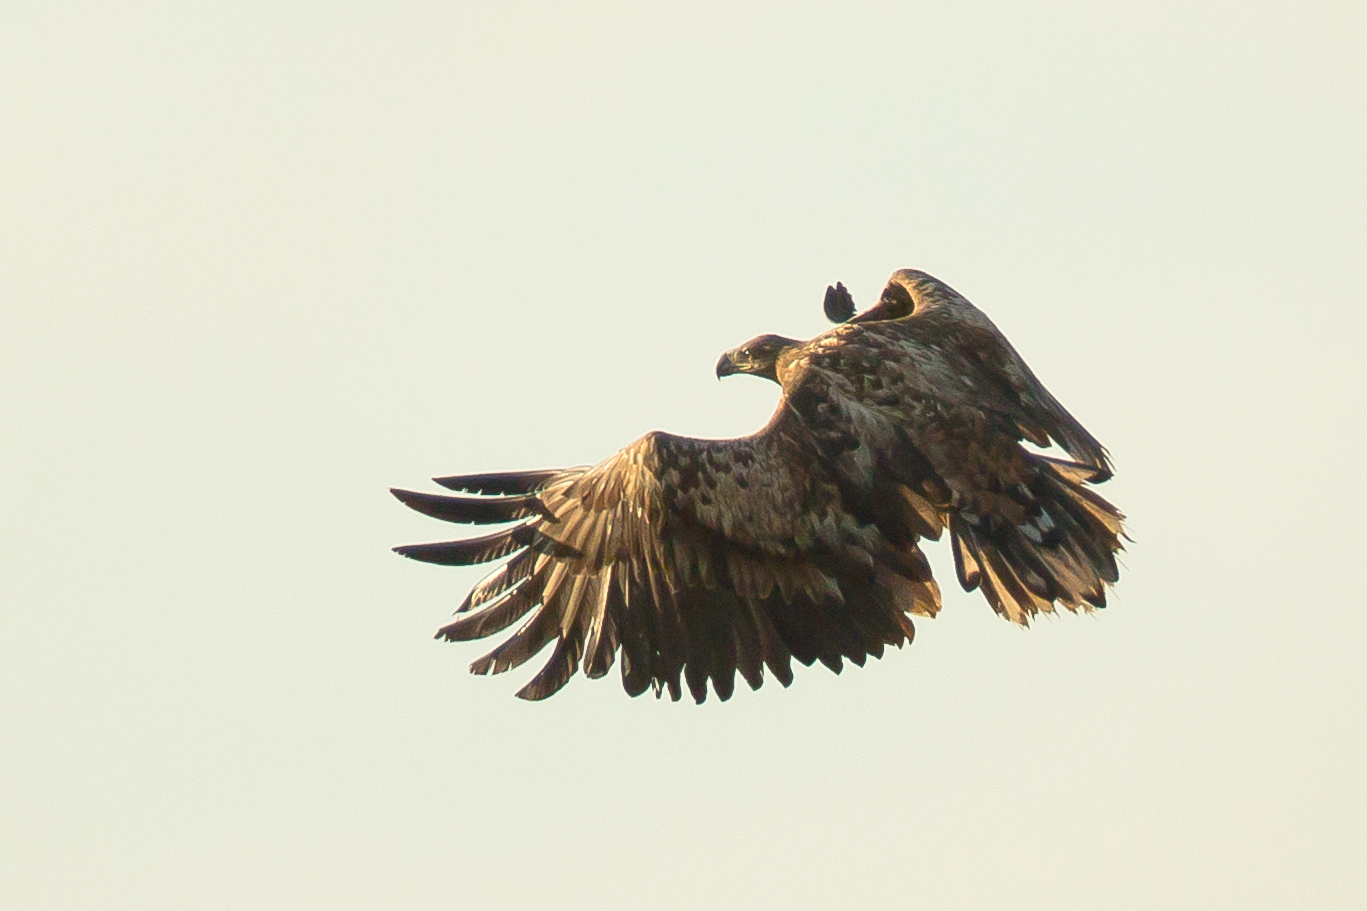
point(688, 561)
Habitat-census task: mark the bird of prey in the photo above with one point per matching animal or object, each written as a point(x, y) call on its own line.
point(697, 559)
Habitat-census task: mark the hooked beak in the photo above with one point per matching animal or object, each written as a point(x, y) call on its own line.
point(727, 365)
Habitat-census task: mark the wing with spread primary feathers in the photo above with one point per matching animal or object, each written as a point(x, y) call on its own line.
point(696, 559)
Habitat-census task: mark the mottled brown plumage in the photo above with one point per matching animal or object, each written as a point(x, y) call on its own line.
point(695, 560)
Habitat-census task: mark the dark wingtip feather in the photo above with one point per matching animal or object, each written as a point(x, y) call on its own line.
point(557, 671)
point(472, 510)
point(469, 551)
point(965, 564)
point(499, 482)
point(839, 304)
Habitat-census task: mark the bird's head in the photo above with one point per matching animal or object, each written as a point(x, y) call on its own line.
point(758, 357)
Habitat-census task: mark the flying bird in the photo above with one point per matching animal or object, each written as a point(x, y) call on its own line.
point(688, 560)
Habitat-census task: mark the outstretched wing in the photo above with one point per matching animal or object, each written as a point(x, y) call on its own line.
point(693, 558)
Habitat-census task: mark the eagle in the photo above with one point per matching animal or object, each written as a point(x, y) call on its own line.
point(686, 561)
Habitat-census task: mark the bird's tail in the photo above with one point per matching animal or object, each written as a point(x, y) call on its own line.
point(1048, 540)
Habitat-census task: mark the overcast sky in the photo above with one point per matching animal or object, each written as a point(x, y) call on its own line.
point(261, 261)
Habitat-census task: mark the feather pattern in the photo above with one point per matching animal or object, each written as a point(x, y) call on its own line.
point(690, 562)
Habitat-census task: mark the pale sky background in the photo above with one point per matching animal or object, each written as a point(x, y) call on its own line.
point(260, 261)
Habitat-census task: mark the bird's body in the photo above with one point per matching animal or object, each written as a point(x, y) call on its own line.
point(700, 558)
